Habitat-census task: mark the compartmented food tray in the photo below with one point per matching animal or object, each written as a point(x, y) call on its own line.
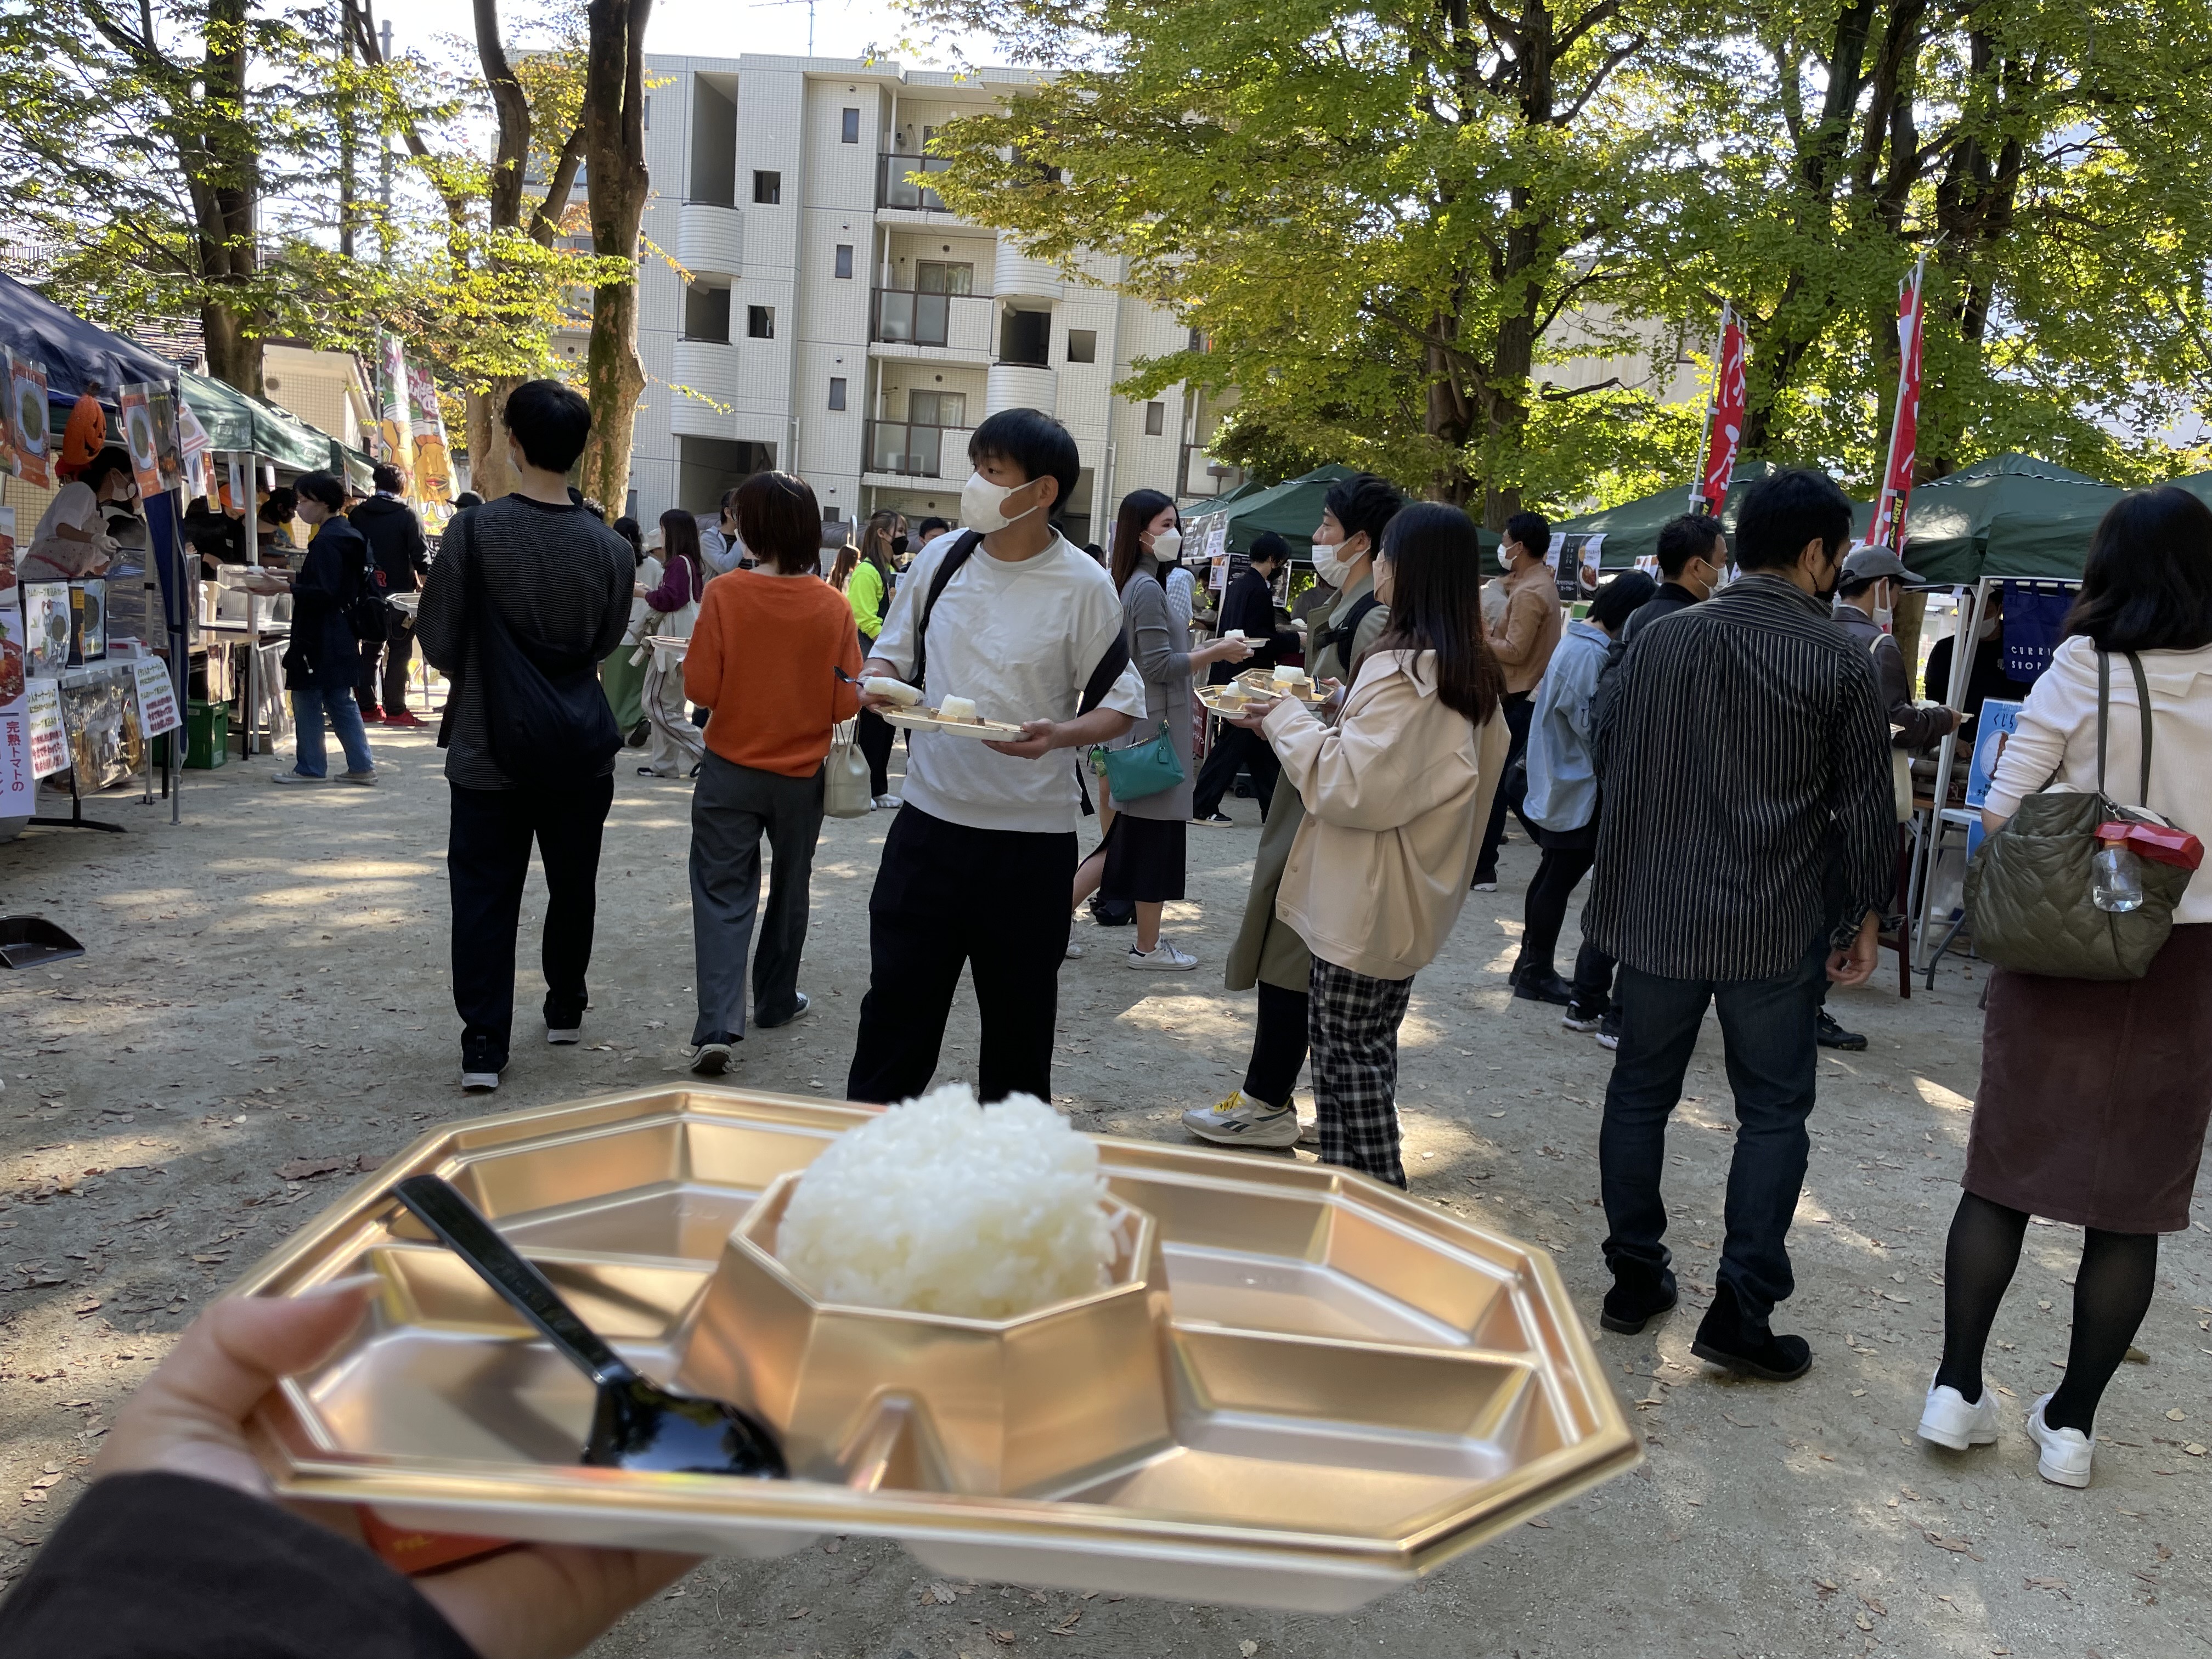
point(1300, 1389)
point(928, 719)
point(1260, 682)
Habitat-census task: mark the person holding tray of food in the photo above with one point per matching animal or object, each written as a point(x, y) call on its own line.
point(1141, 859)
point(1396, 794)
point(1010, 618)
point(1268, 952)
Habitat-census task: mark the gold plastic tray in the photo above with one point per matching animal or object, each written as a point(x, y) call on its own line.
point(918, 719)
point(1301, 1388)
point(1260, 682)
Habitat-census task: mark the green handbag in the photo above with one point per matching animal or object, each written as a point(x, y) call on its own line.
point(1143, 768)
point(2028, 889)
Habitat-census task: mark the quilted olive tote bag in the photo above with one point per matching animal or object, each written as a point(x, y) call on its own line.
point(2028, 889)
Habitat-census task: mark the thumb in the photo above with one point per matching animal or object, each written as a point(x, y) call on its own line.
point(187, 1417)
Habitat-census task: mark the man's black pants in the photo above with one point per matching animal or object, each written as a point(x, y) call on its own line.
point(1519, 706)
point(945, 896)
point(1234, 746)
point(487, 860)
point(398, 645)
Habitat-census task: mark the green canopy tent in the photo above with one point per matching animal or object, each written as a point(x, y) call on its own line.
point(2010, 515)
point(1291, 509)
point(1631, 530)
point(239, 424)
point(359, 470)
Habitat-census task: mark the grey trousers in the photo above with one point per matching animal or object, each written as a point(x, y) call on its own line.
point(733, 806)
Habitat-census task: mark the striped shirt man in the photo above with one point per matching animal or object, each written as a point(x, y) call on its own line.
point(1748, 798)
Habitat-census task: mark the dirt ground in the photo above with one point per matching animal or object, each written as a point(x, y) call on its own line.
point(264, 992)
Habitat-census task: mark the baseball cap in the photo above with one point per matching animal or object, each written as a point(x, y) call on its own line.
point(1869, 564)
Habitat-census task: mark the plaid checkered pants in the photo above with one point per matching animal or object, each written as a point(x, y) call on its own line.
point(1351, 1024)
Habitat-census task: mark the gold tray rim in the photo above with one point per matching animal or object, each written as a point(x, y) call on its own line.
point(300, 1468)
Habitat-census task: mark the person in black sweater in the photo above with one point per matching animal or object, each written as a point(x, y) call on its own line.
point(1986, 678)
point(1248, 607)
point(320, 662)
point(179, 1551)
point(395, 535)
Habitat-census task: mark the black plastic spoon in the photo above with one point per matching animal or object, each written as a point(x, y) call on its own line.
point(636, 1424)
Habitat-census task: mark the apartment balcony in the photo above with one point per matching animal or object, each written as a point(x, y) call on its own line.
point(1015, 276)
point(955, 326)
point(898, 192)
point(710, 239)
point(1020, 385)
point(898, 451)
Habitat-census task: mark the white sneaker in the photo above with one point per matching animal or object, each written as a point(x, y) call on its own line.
point(1485, 887)
point(885, 803)
point(1240, 1120)
point(367, 779)
point(2064, 1453)
point(564, 1033)
point(1309, 1133)
point(295, 775)
point(1075, 951)
point(1947, 1420)
point(479, 1082)
point(1163, 956)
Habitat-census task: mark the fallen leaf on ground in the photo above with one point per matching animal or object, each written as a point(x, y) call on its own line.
point(1956, 1545)
point(1540, 1522)
point(1005, 1638)
point(307, 1169)
point(1247, 1649)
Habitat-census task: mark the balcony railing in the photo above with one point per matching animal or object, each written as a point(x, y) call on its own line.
point(911, 449)
point(895, 190)
point(901, 317)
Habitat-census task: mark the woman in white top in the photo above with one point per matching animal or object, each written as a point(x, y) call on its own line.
point(673, 603)
point(2094, 1094)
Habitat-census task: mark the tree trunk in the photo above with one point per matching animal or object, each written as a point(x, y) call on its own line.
point(489, 475)
point(229, 201)
point(614, 155)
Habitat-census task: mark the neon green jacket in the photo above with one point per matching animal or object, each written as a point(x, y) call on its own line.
point(864, 591)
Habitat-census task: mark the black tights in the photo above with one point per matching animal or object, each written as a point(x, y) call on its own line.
point(2111, 1293)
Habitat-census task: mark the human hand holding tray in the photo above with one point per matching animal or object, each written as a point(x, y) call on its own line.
point(1299, 1389)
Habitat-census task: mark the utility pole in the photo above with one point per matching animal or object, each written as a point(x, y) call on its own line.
point(384, 155)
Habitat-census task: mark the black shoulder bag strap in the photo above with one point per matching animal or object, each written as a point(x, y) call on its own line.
point(947, 567)
point(2104, 706)
point(466, 524)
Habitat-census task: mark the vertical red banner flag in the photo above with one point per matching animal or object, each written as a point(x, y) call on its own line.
point(1887, 529)
point(1717, 464)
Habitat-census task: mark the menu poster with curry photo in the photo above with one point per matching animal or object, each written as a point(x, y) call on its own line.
point(27, 417)
point(46, 629)
point(138, 439)
point(169, 441)
point(16, 782)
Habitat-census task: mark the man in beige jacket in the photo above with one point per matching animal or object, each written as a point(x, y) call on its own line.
point(1522, 641)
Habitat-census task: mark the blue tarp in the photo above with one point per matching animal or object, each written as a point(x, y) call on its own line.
point(78, 356)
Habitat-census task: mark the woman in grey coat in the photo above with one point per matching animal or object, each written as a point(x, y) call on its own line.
point(1142, 858)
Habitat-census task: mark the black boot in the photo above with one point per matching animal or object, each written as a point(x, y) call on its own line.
point(1724, 1338)
point(1636, 1299)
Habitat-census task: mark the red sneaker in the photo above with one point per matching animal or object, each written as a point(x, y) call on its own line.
point(371, 715)
point(405, 717)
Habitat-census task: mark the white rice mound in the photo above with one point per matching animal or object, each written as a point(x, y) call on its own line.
point(941, 1205)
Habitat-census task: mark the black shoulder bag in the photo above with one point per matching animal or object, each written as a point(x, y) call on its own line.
point(543, 710)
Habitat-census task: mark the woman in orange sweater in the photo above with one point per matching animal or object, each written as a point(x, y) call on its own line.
point(764, 657)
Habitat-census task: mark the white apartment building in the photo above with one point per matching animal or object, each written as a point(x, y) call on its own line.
point(831, 317)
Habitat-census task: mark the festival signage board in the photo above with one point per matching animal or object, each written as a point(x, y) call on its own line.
point(16, 778)
point(1730, 406)
point(29, 421)
point(46, 629)
point(138, 439)
point(1887, 528)
point(42, 710)
point(1996, 723)
point(157, 696)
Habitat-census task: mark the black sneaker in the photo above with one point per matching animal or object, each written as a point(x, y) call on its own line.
point(1608, 1031)
point(802, 1003)
point(1581, 1018)
point(712, 1058)
point(1216, 821)
point(1722, 1340)
point(1833, 1035)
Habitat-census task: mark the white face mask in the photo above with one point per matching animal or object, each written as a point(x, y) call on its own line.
point(1885, 608)
point(981, 502)
point(1327, 565)
point(1504, 560)
point(1986, 628)
point(1167, 546)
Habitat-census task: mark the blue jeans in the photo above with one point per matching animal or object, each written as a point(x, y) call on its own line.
point(1767, 1025)
point(309, 705)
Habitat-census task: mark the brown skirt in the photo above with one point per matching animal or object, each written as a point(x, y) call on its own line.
point(2094, 1094)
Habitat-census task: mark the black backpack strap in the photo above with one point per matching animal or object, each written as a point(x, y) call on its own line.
point(1361, 607)
point(947, 567)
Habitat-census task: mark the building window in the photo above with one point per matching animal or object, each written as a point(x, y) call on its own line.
point(645, 113)
point(943, 276)
point(845, 260)
point(1156, 416)
point(1082, 345)
point(706, 312)
point(760, 325)
point(768, 188)
point(836, 391)
point(850, 132)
